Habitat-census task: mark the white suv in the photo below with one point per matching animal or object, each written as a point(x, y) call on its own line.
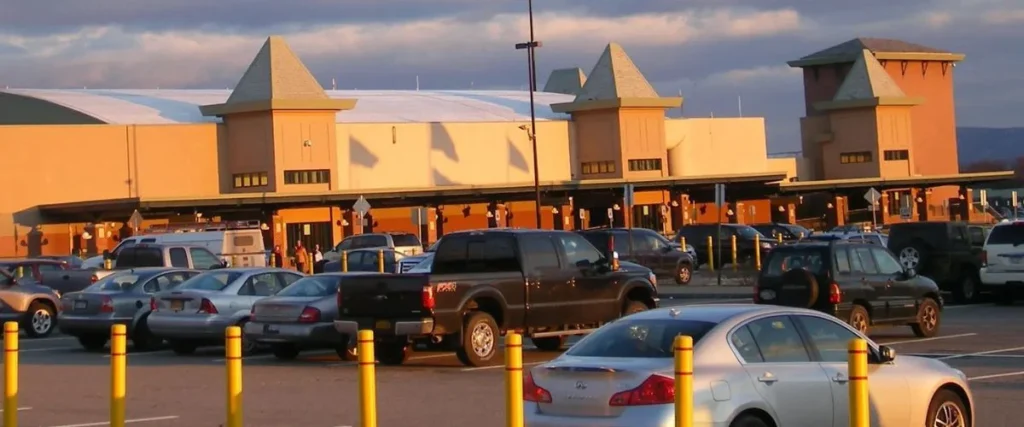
point(404, 243)
point(1002, 268)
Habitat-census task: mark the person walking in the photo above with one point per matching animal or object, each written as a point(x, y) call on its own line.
point(301, 258)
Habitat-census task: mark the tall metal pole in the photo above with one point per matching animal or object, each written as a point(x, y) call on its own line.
point(531, 57)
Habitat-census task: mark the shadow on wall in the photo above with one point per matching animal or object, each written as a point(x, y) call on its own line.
point(176, 111)
point(516, 158)
point(360, 155)
point(441, 140)
point(437, 178)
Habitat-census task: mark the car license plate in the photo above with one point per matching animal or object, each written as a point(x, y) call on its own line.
point(81, 305)
point(270, 329)
point(382, 324)
point(177, 305)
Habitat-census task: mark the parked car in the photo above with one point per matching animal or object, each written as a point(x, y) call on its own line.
point(783, 231)
point(861, 283)
point(35, 307)
point(72, 261)
point(404, 243)
point(486, 282)
point(301, 317)
point(1002, 268)
point(196, 312)
point(367, 260)
point(120, 298)
point(753, 366)
point(857, 237)
point(50, 273)
point(647, 248)
point(948, 252)
point(697, 235)
point(240, 243)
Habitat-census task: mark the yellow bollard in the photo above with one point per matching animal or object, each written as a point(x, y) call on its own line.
point(233, 360)
point(367, 380)
point(344, 261)
point(857, 371)
point(380, 260)
point(11, 374)
point(684, 381)
point(20, 271)
point(234, 261)
point(273, 260)
point(757, 252)
point(735, 261)
point(711, 254)
point(309, 264)
point(118, 359)
point(514, 380)
point(108, 264)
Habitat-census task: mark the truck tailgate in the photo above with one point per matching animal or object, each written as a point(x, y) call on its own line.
point(382, 295)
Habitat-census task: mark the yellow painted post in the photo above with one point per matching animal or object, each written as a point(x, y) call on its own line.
point(857, 370)
point(273, 260)
point(711, 254)
point(684, 381)
point(11, 374)
point(367, 380)
point(21, 271)
point(514, 380)
point(233, 360)
point(344, 261)
point(118, 362)
point(309, 264)
point(234, 261)
point(757, 252)
point(108, 264)
point(682, 243)
point(735, 261)
point(380, 260)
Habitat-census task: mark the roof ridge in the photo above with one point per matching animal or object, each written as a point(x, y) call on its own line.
point(867, 79)
point(275, 73)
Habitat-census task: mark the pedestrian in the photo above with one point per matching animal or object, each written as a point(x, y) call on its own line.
point(318, 259)
point(278, 257)
point(301, 257)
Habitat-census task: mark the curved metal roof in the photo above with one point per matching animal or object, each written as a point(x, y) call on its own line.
point(160, 106)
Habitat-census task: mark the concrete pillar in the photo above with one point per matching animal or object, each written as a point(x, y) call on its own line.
point(428, 230)
point(562, 217)
point(835, 214)
point(740, 212)
point(883, 209)
point(966, 200)
point(791, 213)
point(681, 208)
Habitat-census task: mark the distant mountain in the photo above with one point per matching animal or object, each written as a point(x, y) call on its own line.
point(975, 145)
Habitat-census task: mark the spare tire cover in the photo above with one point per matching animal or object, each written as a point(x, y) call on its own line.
point(799, 289)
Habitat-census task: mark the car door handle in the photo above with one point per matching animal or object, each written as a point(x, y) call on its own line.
point(840, 378)
point(768, 378)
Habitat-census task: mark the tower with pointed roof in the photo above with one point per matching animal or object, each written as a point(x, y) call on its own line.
point(565, 80)
point(279, 126)
point(619, 121)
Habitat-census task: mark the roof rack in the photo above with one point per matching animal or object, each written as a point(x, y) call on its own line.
point(205, 226)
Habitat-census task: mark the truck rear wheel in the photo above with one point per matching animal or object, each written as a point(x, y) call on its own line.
point(479, 340)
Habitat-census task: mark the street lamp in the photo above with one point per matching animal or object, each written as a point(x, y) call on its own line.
point(530, 47)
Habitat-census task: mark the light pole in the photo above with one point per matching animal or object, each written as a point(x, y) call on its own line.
point(530, 47)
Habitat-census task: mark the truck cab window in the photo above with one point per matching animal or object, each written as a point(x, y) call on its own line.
point(540, 252)
point(578, 249)
point(179, 258)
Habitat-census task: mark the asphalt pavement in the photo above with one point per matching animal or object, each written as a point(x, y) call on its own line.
point(64, 386)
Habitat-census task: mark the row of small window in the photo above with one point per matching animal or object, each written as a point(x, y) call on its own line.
point(591, 168)
point(260, 179)
point(867, 156)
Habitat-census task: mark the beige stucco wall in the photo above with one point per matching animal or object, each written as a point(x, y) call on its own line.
point(789, 165)
point(852, 131)
point(716, 146)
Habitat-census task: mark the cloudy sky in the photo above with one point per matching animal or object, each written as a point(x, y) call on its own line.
point(714, 51)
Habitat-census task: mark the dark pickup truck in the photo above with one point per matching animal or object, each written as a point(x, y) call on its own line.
point(545, 284)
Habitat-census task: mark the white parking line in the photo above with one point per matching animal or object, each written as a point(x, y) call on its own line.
point(946, 337)
point(482, 368)
point(131, 421)
point(1003, 375)
point(271, 356)
point(431, 356)
point(982, 353)
point(946, 355)
point(145, 353)
point(25, 408)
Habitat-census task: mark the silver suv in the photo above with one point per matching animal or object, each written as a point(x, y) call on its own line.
point(32, 305)
point(403, 243)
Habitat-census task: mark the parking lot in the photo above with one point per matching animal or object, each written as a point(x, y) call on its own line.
point(62, 385)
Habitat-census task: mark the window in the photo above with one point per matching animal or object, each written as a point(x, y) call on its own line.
point(778, 340)
point(262, 285)
point(578, 249)
point(829, 338)
point(855, 157)
point(405, 240)
point(203, 259)
point(476, 253)
point(313, 286)
point(593, 168)
point(140, 256)
point(288, 278)
point(1009, 234)
point(373, 241)
point(114, 282)
point(179, 258)
point(355, 261)
point(786, 259)
point(243, 241)
point(744, 343)
point(891, 155)
point(317, 176)
point(977, 235)
point(886, 263)
point(540, 252)
point(842, 259)
point(645, 165)
point(251, 179)
point(648, 241)
point(213, 281)
point(639, 338)
point(861, 261)
point(164, 282)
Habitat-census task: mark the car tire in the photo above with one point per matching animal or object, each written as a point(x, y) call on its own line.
point(929, 318)
point(249, 346)
point(346, 353)
point(392, 352)
point(40, 320)
point(548, 343)
point(633, 306)
point(860, 319)
point(285, 351)
point(93, 343)
point(479, 346)
point(968, 288)
point(143, 339)
point(748, 421)
point(947, 404)
point(684, 273)
point(183, 348)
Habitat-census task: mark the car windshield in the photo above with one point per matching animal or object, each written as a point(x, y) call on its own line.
point(1008, 234)
point(638, 338)
point(313, 286)
point(212, 281)
point(405, 240)
point(748, 232)
point(114, 282)
point(782, 260)
point(797, 229)
point(423, 265)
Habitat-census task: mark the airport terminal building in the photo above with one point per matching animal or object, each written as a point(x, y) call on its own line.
point(281, 149)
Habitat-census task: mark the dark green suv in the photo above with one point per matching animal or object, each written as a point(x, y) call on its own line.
point(860, 283)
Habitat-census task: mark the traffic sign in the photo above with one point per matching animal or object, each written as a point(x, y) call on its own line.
point(719, 194)
point(135, 221)
point(872, 196)
point(361, 206)
point(627, 194)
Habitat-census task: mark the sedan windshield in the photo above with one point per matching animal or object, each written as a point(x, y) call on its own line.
point(212, 281)
point(639, 338)
point(314, 286)
point(114, 282)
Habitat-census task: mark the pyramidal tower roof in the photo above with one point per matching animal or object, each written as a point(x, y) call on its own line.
point(616, 82)
point(276, 79)
point(867, 84)
point(566, 80)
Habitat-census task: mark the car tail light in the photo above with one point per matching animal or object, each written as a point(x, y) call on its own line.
point(984, 258)
point(309, 315)
point(93, 278)
point(153, 306)
point(428, 298)
point(835, 296)
point(207, 307)
point(534, 393)
point(107, 306)
point(655, 390)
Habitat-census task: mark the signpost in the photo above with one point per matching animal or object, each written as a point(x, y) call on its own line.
point(419, 219)
point(361, 207)
point(627, 213)
point(719, 203)
point(135, 221)
point(1013, 198)
point(873, 196)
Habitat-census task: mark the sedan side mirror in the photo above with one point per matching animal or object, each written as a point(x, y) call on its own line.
point(886, 354)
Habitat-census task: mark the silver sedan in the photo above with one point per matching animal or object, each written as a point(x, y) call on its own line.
point(754, 366)
point(197, 311)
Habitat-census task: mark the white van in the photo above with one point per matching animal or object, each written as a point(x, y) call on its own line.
point(239, 243)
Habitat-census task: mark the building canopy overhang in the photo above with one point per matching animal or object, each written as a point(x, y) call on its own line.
point(849, 185)
point(762, 184)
